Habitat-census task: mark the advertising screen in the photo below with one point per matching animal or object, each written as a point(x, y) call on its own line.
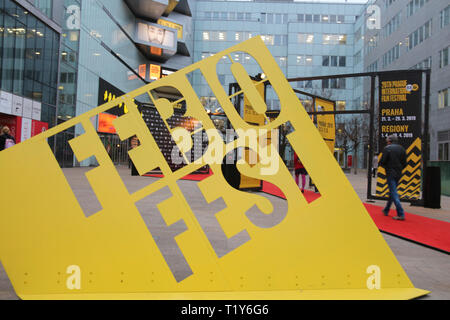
point(155, 35)
point(105, 123)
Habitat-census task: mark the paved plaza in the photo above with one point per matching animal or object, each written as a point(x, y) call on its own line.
point(427, 268)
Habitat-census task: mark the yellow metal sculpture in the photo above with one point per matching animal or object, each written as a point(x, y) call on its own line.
point(328, 249)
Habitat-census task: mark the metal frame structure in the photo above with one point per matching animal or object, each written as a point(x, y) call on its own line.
point(371, 111)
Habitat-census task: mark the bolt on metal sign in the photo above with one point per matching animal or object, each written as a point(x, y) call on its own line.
point(249, 249)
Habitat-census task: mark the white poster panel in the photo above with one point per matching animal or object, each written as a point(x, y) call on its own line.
point(26, 129)
point(36, 111)
point(5, 102)
point(27, 108)
point(17, 107)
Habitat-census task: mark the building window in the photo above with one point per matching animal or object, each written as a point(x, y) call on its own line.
point(425, 64)
point(445, 17)
point(392, 25)
point(334, 61)
point(391, 56)
point(308, 17)
point(389, 2)
point(420, 35)
point(305, 60)
point(340, 105)
point(281, 61)
point(301, 17)
point(414, 6)
point(443, 138)
point(334, 39)
point(443, 57)
point(443, 152)
point(305, 38)
point(444, 97)
point(268, 39)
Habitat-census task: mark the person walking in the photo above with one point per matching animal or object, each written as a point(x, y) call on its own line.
point(393, 161)
point(299, 170)
point(6, 140)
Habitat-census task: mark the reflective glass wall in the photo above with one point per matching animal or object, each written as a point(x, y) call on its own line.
point(28, 58)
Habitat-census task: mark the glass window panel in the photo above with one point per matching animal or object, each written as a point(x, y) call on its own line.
point(316, 18)
point(269, 18)
point(342, 61)
point(300, 17)
point(278, 18)
point(334, 61)
point(325, 61)
point(308, 18)
point(19, 58)
point(8, 52)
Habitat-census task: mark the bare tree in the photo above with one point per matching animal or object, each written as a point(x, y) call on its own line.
point(351, 133)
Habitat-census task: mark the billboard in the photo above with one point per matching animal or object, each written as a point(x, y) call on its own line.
point(172, 25)
point(152, 34)
point(105, 123)
point(400, 115)
point(326, 123)
point(257, 119)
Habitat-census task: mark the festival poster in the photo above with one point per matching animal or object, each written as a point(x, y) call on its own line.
point(400, 97)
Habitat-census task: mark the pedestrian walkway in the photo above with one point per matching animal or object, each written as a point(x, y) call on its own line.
point(427, 269)
point(359, 183)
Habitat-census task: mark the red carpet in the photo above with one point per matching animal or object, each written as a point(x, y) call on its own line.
point(425, 231)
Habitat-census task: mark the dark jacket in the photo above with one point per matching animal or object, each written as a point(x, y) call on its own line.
point(3, 138)
point(393, 160)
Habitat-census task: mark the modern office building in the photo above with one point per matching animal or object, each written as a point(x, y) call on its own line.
point(415, 34)
point(120, 45)
point(30, 35)
point(306, 38)
point(60, 59)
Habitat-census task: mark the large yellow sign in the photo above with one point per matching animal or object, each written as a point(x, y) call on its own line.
point(172, 25)
point(257, 119)
point(248, 249)
point(326, 123)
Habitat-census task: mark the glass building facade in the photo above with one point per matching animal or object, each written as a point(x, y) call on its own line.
point(29, 50)
point(306, 39)
point(109, 62)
